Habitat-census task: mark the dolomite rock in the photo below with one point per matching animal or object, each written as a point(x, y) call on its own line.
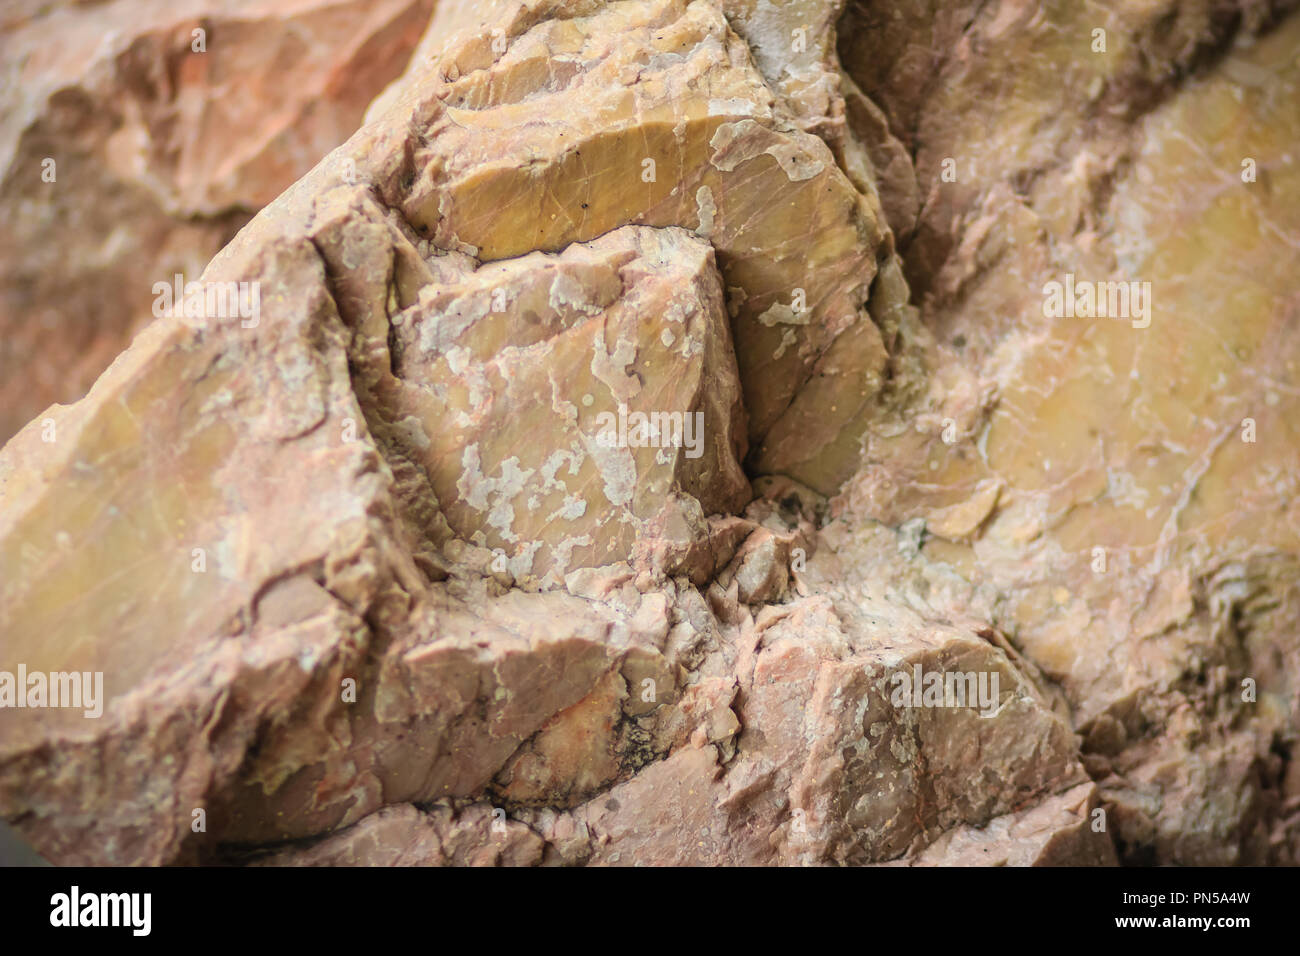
point(827, 768)
point(577, 419)
point(675, 119)
point(996, 586)
point(406, 836)
point(1143, 534)
point(160, 153)
point(1057, 832)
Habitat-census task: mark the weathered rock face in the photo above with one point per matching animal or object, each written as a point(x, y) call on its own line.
point(675, 118)
point(656, 443)
point(1126, 486)
point(616, 357)
point(133, 147)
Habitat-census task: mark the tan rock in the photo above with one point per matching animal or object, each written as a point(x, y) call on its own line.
point(573, 421)
point(406, 836)
point(1008, 586)
point(163, 143)
point(675, 118)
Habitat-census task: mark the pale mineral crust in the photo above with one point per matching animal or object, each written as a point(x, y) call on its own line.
point(645, 402)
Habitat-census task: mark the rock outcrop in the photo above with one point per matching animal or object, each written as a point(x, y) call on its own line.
point(138, 136)
point(702, 433)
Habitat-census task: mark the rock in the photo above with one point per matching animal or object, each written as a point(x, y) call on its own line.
point(1135, 505)
point(1057, 832)
point(763, 568)
point(674, 117)
point(572, 425)
point(388, 573)
point(133, 149)
point(406, 836)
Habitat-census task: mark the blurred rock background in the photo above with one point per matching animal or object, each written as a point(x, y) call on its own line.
point(161, 152)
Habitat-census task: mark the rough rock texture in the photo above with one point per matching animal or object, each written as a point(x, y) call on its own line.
point(946, 579)
point(161, 151)
point(626, 325)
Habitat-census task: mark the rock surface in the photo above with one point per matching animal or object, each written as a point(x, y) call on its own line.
point(431, 564)
point(163, 143)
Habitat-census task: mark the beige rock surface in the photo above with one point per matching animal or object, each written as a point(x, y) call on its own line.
point(952, 580)
point(161, 151)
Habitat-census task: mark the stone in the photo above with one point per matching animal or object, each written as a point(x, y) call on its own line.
point(578, 421)
point(133, 148)
point(1056, 832)
point(675, 114)
point(406, 836)
point(392, 574)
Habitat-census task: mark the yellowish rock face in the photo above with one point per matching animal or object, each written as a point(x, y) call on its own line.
point(139, 137)
point(565, 406)
point(658, 410)
point(1160, 436)
point(1120, 482)
point(676, 129)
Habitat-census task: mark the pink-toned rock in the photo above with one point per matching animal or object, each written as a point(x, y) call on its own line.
point(1065, 830)
point(406, 836)
point(132, 149)
point(1002, 585)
